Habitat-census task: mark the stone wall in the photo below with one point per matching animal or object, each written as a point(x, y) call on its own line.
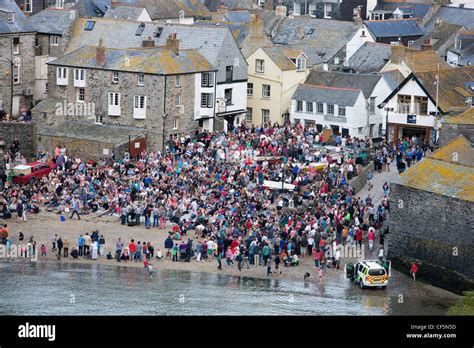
point(451, 131)
point(436, 231)
point(359, 181)
point(23, 132)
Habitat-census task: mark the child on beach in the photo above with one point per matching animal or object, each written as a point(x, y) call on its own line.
point(43, 250)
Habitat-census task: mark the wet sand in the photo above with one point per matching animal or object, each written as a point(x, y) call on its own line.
point(43, 226)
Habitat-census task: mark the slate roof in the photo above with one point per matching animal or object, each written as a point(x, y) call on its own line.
point(237, 16)
point(441, 37)
point(440, 177)
point(467, 118)
point(394, 28)
point(121, 34)
point(164, 9)
point(53, 21)
point(443, 173)
point(457, 151)
point(370, 57)
point(452, 88)
point(418, 10)
point(328, 37)
point(124, 12)
point(453, 15)
point(148, 61)
point(364, 82)
point(214, 5)
point(421, 61)
point(281, 55)
point(393, 78)
point(323, 94)
point(92, 8)
point(110, 134)
point(19, 25)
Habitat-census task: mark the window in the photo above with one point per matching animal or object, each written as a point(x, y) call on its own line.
point(372, 105)
point(178, 81)
point(301, 64)
point(228, 96)
point(361, 130)
point(11, 17)
point(140, 29)
point(310, 31)
point(229, 73)
point(207, 100)
point(37, 42)
point(259, 65)
point(266, 91)
point(320, 108)
point(249, 115)
point(404, 102)
point(114, 104)
point(99, 119)
point(330, 109)
point(421, 105)
point(115, 77)
point(250, 89)
point(141, 79)
point(309, 107)
point(79, 78)
point(177, 100)
point(158, 31)
point(89, 25)
point(62, 76)
point(54, 40)
point(175, 123)
point(28, 5)
point(46, 89)
point(57, 3)
point(16, 74)
point(299, 106)
point(265, 115)
point(16, 45)
point(139, 107)
point(80, 94)
point(341, 111)
point(327, 10)
point(207, 80)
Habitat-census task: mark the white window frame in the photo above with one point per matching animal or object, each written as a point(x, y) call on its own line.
point(326, 5)
point(341, 111)
point(99, 119)
point(249, 115)
point(249, 89)
point(79, 78)
point(16, 74)
point(29, 6)
point(113, 102)
point(263, 115)
point(141, 80)
point(62, 76)
point(308, 108)
point(328, 107)
point(178, 81)
point(54, 40)
point(320, 108)
point(139, 107)
point(269, 91)
point(16, 47)
point(207, 79)
point(177, 100)
point(259, 65)
point(301, 64)
point(298, 103)
point(175, 123)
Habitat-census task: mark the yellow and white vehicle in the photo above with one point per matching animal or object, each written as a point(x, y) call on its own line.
point(369, 273)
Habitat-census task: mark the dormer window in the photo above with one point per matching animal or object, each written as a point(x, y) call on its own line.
point(140, 29)
point(158, 31)
point(301, 64)
point(11, 18)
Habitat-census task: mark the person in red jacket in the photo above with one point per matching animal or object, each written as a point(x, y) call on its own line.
point(413, 270)
point(358, 236)
point(132, 248)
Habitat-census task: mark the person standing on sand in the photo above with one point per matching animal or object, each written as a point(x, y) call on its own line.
point(80, 243)
point(87, 244)
point(132, 247)
point(60, 246)
point(54, 242)
point(118, 249)
point(66, 248)
point(219, 261)
point(269, 265)
point(321, 274)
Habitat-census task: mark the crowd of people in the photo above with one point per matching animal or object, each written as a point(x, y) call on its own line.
point(212, 186)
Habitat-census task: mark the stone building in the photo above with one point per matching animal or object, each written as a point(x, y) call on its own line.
point(17, 59)
point(431, 209)
point(452, 127)
point(149, 90)
point(53, 30)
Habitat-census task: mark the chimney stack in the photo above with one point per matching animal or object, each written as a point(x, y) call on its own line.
point(269, 5)
point(172, 43)
point(301, 32)
point(426, 46)
point(255, 26)
point(149, 42)
point(100, 53)
point(280, 11)
point(398, 54)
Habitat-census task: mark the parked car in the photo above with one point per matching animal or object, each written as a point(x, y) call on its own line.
point(31, 172)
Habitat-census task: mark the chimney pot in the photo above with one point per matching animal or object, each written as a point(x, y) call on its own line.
point(172, 43)
point(149, 42)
